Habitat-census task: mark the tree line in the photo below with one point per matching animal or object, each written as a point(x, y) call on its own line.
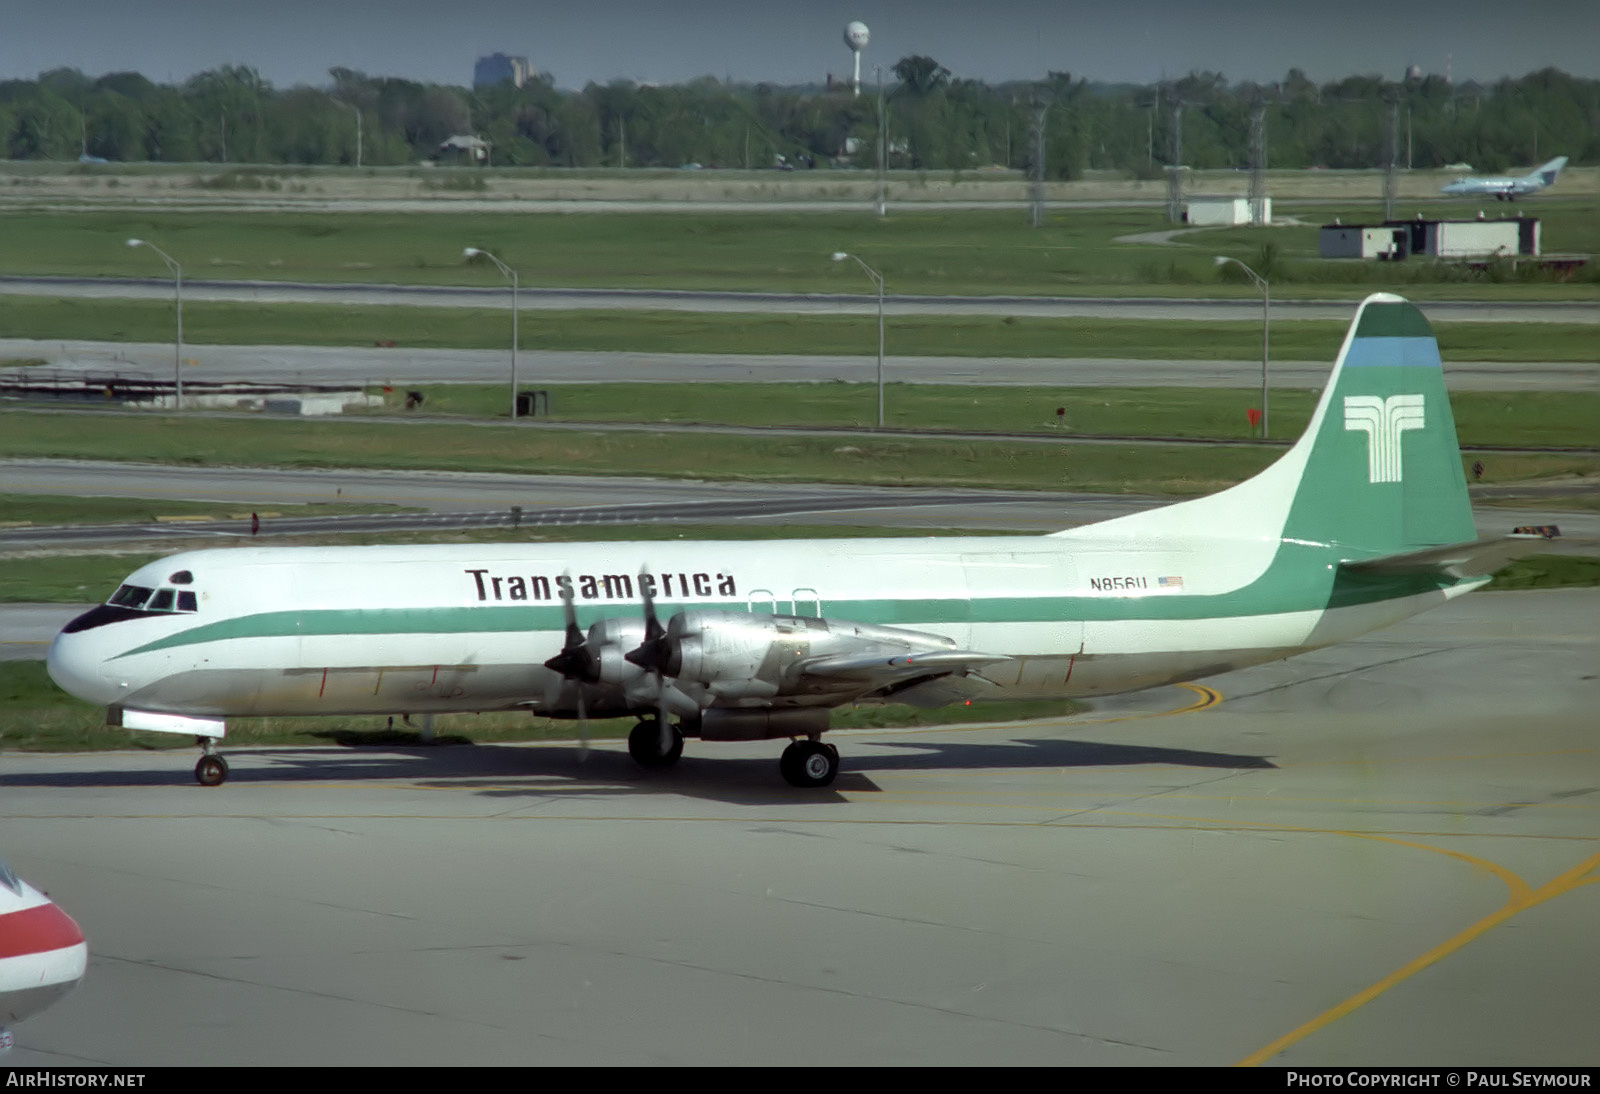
point(934, 121)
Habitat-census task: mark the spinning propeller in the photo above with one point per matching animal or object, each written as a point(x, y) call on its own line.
point(575, 662)
point(652, 655)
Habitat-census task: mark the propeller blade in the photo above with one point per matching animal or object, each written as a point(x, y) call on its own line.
point(575, 660)
point(661, 714)
point(651, 653)
point(583, 728)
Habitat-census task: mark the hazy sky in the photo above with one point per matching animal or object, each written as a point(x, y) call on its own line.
point(798, 41)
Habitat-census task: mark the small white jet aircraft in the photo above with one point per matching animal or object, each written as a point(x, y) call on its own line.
point(1508, 188)
point(42, 953)
point(1365, 521)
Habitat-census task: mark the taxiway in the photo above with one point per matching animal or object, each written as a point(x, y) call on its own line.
point(1380, 853)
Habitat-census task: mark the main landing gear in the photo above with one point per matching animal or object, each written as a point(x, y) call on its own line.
point(211, 770)
point(809, 764)
point(645, 744)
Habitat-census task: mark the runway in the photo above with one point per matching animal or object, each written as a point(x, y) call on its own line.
point(1377, 854)
point(534, 298)
point(370, 366)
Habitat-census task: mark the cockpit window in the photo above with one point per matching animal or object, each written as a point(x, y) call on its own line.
point(182, 577)
point(162, 601)
point(186, 602)
point(9, 880)
point(131, 596)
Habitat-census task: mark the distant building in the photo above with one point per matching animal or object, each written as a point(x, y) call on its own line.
point(1395, 240)
point(498, 68)
point(1224, 210)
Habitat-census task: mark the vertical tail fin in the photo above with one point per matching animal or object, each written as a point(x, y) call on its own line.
point(1378, 469)
point(1546, 175)
point(1382, 467)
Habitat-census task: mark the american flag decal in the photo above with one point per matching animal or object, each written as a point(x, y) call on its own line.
point(1169, 582)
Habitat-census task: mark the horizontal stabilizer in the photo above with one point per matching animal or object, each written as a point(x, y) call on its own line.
point(885, 670)
point(1475, 558)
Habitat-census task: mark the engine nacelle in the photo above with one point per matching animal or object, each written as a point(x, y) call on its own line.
point(740, 656)
point(608, 643)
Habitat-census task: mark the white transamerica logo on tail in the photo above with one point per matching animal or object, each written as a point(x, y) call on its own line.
point(1383, 420)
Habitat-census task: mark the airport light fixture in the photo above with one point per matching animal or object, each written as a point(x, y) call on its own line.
point(511, 275)
point(1261, 283)
point(177, 276)
point(877, 280)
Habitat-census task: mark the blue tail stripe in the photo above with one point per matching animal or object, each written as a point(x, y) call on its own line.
point(1393, 352)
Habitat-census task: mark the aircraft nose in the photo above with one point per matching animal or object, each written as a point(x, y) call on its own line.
point(74, 664)
point(43, 955)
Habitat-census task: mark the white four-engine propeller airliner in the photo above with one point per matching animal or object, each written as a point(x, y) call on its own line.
point(1365, 521)
point(1510, 187)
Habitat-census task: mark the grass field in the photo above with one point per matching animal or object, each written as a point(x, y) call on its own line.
point(442, 445)
point(1482, 418)
point(207, 323)
point(982, 252)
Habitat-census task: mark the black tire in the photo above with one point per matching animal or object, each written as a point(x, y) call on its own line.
point(211, 771)
point(644, 745)
point(810, 765)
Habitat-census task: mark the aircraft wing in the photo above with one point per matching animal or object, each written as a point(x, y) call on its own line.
point(878, 668)
point(931, 679)
point(1471, 559)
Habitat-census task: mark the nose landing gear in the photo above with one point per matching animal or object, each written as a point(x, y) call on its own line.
point(212, 769)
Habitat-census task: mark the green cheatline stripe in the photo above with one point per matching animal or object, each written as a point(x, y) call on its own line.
point(1309, 582)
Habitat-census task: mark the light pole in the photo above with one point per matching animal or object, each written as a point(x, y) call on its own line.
point(840, 256)
point(1261, 283)
point(177, 355)
point(883, 148)
point(473, 252)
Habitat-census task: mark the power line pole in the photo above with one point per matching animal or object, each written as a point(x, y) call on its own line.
point(883, 148)
point(1258, 164)
point(1391, 175)
point(1175, 160)
point(1036, 204)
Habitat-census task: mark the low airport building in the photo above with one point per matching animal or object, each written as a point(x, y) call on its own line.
point(1396, 240)
point(1209, 211)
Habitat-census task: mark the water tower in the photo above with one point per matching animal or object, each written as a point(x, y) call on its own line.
point(855, 36)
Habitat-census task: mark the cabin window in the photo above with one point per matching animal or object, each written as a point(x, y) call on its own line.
point(131, 596)
point(162, 601)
